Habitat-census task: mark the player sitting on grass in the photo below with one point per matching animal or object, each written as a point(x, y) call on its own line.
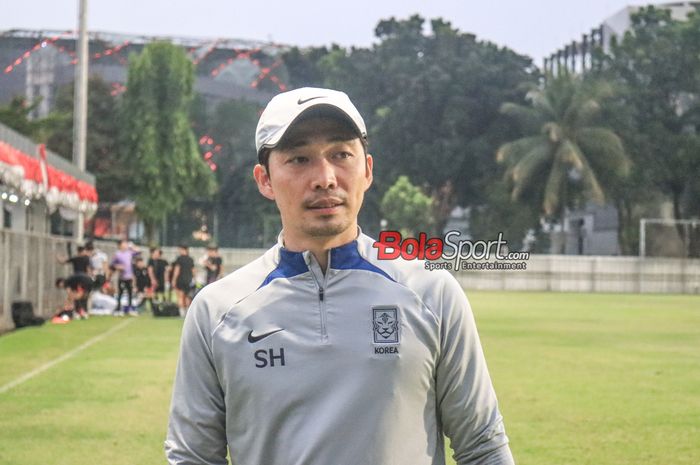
point(77, 291)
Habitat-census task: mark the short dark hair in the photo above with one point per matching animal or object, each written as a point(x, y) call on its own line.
point(81, 248)
point(89, 245)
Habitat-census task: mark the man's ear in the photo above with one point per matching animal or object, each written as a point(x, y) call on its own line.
point(369, 165)
point(262, 179)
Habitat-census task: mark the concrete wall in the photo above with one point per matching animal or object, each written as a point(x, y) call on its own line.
point(28, 270)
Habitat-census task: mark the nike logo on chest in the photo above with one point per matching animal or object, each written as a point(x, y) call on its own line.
point(253, 338)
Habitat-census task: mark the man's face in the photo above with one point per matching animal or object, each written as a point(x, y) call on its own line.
point(318, 176)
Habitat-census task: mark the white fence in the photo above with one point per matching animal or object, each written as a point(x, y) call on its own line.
point(28, 270)
point(575, 273)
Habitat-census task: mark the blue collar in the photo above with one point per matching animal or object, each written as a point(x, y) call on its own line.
point(345, 257)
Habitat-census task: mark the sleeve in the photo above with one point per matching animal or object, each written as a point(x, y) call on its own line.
point(465, 396)
point(196, 430)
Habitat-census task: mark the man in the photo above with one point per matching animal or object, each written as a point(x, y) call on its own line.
point(212, 263)
point(81, 274)
point(79, 262)
point(123, 262)
point(142, 278)
point(183, 272)
point(77, 288)
point(157, 268)
point(98, 262)
point(318, 353)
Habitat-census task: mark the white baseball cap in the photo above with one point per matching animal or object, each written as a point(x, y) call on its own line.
point(285, 108)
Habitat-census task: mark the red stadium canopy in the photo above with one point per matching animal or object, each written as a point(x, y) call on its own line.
point(26, 174)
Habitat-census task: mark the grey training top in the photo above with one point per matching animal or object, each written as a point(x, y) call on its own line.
point(368, 364)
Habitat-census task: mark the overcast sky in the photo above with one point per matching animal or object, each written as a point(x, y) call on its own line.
point(532, 27)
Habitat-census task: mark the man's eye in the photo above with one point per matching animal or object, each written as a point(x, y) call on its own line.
point(343, 155)
point(297, 160)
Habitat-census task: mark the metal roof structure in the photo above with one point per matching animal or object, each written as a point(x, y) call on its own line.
point(577, 56)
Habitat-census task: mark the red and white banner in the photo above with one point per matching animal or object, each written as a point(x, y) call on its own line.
point(34, 178)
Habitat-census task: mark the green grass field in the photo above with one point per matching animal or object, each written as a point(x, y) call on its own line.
point(581, 379)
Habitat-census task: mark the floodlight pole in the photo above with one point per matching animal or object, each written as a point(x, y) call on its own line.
point(80, 104)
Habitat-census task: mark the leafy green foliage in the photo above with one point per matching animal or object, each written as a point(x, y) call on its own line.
point(17, 114)
point(657, 66)
point(103, 158)
point(158, 143)
point(245, 215)
point(431, 103)
point(567, 151)
point(513, 218)
point(407, 208)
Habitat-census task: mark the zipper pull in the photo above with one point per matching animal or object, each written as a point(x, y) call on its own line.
point(320, 294)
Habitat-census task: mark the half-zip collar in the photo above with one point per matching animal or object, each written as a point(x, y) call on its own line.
point(344, 257)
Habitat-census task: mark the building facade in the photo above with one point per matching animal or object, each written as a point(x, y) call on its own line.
point(578, 56)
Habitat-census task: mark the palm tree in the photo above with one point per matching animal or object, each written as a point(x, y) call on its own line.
point(565, 150)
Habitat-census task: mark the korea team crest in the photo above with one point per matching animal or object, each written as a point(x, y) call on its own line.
point(385, 322)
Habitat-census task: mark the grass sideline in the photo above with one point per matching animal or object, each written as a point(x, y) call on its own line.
point(581, 379)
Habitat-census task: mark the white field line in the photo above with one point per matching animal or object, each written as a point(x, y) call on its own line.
point(66, 356)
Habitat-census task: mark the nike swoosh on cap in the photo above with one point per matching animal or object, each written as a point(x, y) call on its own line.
point(253, 339)
point(301, 102)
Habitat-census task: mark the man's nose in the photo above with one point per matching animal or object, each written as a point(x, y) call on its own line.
point(324, 175)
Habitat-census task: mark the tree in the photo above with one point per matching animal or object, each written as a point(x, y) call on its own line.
point(430, 101)
point(516, 220)
point(244, 215)
point(102, 155)
point(407, 208)
point(17, 114)
point(159, 146)
point(565, 152)
point(657, 63)
point(302, 66)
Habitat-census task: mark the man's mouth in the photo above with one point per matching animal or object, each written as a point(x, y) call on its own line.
point(324, 204)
